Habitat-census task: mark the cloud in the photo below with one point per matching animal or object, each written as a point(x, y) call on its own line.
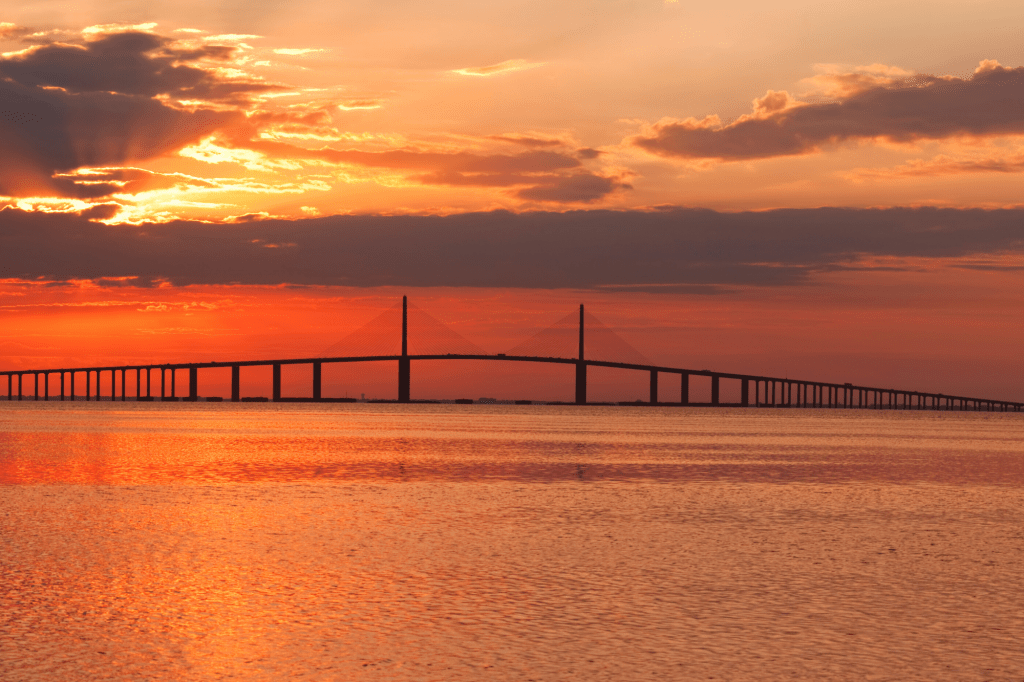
point(506, 66)
point(578, 188)
point(129, 63)
point(46, 131)
point(544, 175)
point(105, 101)
point(943, 165)
point(873, 104)
point(528, 140)
point(669, 250)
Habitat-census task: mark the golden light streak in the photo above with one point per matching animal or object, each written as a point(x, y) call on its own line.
point(117, 28)
point(297, 52)
point(507, 66)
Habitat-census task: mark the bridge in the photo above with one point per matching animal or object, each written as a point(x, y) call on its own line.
point(755, 390)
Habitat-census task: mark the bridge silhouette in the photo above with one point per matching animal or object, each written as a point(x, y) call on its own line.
point(755, 390)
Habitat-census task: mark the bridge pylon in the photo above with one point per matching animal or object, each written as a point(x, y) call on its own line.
point(581, 369)
point(404, 366)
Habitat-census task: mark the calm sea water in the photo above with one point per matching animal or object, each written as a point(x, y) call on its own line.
point(423, 542)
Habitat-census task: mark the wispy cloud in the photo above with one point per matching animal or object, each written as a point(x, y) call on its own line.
point(506, 66)
point(942, 165)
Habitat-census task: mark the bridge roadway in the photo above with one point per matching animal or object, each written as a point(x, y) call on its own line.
point(767, 391)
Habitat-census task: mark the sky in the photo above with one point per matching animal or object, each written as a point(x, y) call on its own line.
point(829, 193)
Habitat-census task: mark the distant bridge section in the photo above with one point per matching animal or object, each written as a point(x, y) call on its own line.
point(755, 390)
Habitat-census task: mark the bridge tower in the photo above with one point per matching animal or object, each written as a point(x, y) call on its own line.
point(581, 369)
point(403, 362)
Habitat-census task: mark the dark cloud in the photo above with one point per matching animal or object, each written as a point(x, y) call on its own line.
point(667, 250)
point(66, 106)
point(130, 63)
point(44, 131)
point(578, 188)
point(991, 102)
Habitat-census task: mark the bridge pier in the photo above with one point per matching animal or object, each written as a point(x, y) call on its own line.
point(654, 387)
point(581, 383)
point(193, 383)
point(317, 384)
point(745, 392)
point(124, 381)
point(684, 388)
point(714, 389)
point(277, 382)
point(404, 379)
point(174, 379)
point(236, 383)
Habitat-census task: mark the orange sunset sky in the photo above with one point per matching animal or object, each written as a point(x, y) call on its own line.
point(822, 191)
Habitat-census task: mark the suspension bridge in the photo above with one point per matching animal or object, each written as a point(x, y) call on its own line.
point(754, 390)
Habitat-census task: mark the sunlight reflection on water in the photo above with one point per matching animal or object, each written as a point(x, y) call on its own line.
point(262, 542)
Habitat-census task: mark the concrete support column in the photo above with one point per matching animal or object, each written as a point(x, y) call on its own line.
point(193, 383)
point(581, 383)
point(317, 380)
point(35, 378)
point(174, 378)
point(72, 386)
point(684, 388)
point(405, 379)
point(654, 387)
point(20, 381)
point(62, 385)
point(277, 382)
point(163, 383)
point(236, 383)
point(138, 383)
point(124, 381)
point(745, 392)
point(714, 389)
point(46, 385)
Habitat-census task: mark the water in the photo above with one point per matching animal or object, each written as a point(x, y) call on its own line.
point(422, 542)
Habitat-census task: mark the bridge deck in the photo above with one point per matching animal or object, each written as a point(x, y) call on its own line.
point(822, 394)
